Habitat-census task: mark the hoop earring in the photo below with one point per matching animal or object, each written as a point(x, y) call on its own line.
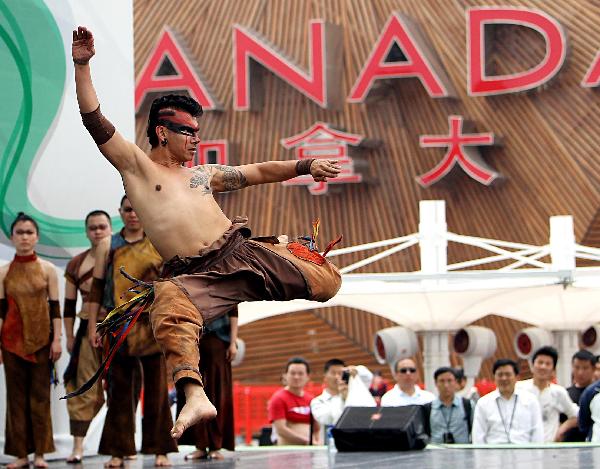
point(163, 142)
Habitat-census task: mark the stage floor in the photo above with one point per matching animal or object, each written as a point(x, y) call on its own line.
point(567, 456)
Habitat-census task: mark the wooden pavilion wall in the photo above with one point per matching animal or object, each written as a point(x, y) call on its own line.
point(551, 135)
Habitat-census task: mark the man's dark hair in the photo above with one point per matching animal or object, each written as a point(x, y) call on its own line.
point(96, 213)
point(333, 362)
point(402, 359)
point(297, 361)
point(173, 101)
point(586, 356)
point(22, 217)
point(123, 199)
point(547, 351)
point(444, 369)
point(503, 362)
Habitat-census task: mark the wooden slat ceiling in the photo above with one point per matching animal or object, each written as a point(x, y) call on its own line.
point(550, 135)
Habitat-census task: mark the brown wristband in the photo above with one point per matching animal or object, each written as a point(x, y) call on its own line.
point(96, 291)
point(54, 309)
point(98, 126)
point(69, 309)
point(303, 166)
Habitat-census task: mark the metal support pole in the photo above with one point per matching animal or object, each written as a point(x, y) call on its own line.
point(434, 260)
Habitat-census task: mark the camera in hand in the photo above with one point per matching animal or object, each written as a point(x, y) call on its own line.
point(345, 376)
point(448, 438)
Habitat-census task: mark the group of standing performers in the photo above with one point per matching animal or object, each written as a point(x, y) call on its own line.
point(30, 331)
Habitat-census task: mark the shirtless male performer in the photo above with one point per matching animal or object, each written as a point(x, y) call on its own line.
point(213, 264)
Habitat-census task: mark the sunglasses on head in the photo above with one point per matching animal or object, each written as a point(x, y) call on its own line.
point(179, 129)
point(407, 370)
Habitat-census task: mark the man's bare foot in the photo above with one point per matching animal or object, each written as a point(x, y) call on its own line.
point(197, 407)
point(198, 454)
point(75, 458)
point(77, 454)
point(39, 461)
point(114, 462)
point(216, 455)
point(18, 463)
point(162, 461)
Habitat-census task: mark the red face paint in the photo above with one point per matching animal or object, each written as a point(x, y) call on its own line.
point(179, 118)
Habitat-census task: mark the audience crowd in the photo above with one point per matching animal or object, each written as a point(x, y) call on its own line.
point(531, 411)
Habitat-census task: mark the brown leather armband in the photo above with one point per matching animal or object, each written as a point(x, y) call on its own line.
point(98, 126)
point(3, 308)
point(96, 291)
point(69, 309)
point(303, 166)
point(54, 309)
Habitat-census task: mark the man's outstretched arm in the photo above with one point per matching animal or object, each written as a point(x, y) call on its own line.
point(117, 150)
point(229, 178)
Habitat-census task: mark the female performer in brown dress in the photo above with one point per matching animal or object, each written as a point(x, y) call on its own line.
point(30, 330)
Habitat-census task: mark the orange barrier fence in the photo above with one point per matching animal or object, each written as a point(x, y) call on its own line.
point(250, 404)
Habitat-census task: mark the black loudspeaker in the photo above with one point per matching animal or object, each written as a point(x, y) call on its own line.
point(380, 429)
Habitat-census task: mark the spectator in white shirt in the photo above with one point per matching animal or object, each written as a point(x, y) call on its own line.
point(406, 391)
point(507, 415)
point(553, 398)
point(329, 405)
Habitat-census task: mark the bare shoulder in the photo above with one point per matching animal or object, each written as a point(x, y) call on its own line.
point(48, 266)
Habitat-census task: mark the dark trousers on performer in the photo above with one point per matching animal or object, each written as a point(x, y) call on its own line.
point(28, 421)
point(119, 426)
point(217, 433)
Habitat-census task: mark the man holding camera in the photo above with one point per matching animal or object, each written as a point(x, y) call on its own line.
point(327, 407)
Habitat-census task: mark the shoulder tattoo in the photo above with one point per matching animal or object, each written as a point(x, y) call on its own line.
point(233, 179)
point(200, 178)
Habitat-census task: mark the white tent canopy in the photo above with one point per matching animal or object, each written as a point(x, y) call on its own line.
point(449, 307)
point(442, 296)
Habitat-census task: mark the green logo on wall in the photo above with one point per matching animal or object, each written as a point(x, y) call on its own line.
point(33, 79)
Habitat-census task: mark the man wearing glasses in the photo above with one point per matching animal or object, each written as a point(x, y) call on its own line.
point(406, 391)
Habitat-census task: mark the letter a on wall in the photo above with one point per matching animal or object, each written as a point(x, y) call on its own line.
point(421, 61)
point(479, 84)
point(184, 75)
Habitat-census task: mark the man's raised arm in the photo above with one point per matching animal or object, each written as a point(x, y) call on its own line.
point(229, 178)
point(117, 150)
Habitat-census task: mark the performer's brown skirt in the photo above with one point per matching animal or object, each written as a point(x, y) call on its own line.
point(119, 427)
point(82, 409)
point(28, 421)
point(233, 269)
point(217, 433)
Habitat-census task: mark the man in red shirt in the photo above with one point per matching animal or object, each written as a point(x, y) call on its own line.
point(289, 408)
